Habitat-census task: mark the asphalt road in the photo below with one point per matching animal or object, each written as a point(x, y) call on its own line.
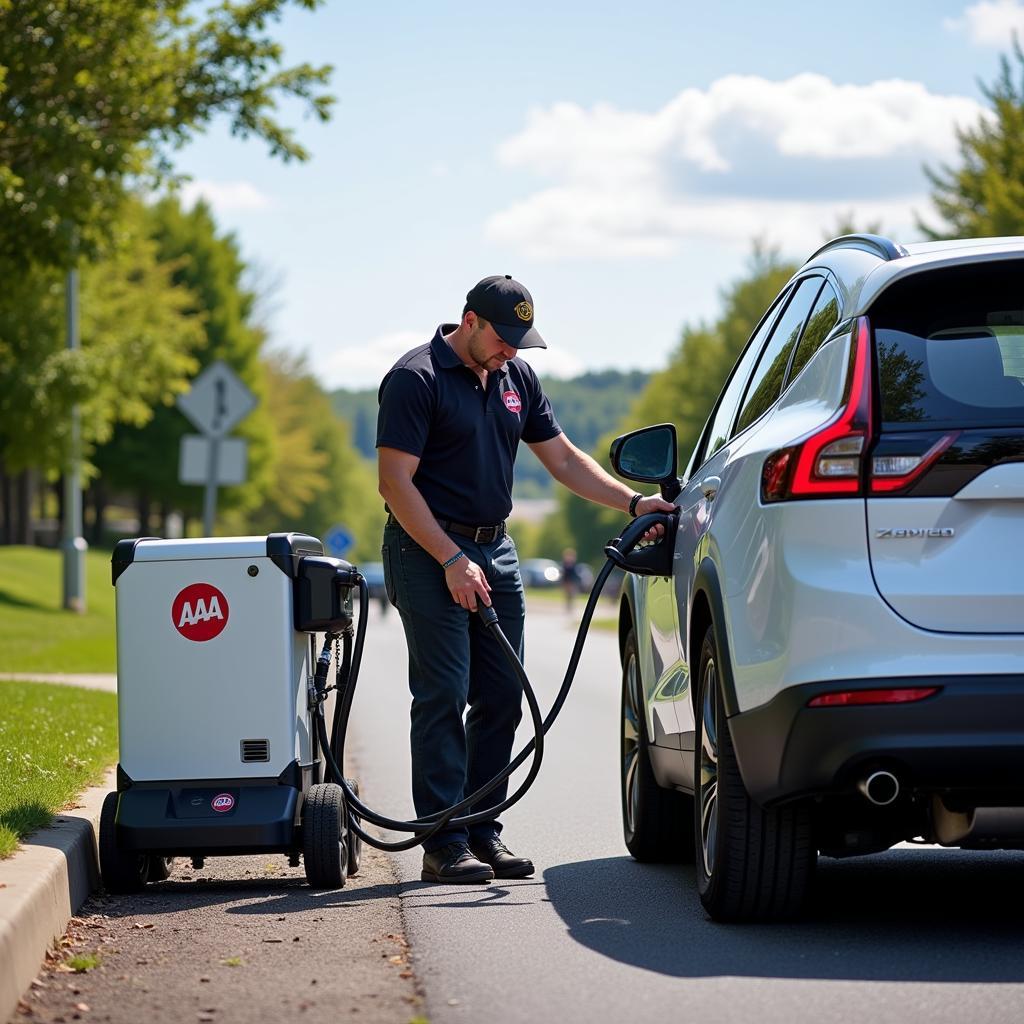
point(915, 934)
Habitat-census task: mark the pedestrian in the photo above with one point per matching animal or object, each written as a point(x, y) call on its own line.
point(571, 578)
point(452, 414)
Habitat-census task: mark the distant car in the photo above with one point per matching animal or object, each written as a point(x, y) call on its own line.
point(540, 572)
point(828, 655)
point(374, 575)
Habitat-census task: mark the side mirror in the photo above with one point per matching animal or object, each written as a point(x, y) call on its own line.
point(648, 455)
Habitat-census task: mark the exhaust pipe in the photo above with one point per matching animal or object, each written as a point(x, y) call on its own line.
point(881, 788)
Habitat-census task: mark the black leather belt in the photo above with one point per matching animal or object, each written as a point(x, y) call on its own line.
point(479, 534)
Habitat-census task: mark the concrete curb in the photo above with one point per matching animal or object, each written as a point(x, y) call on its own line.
point(43, 886)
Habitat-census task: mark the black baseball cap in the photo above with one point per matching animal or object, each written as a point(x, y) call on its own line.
point(509, 308)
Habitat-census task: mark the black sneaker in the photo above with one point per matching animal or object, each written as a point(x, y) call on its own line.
point(505, 863)
point(454, 863)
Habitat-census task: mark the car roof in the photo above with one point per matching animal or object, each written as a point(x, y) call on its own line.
point(865, 265)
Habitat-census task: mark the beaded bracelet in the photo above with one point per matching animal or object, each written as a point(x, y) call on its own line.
point(453, 559)
point(634, 501)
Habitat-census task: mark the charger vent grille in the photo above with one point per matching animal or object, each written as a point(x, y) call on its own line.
point(255, 750)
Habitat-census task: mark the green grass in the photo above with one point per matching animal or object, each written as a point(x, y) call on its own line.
point(54, 742)
point(36, 634)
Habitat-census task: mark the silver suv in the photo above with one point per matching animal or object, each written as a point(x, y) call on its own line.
point(828, 655)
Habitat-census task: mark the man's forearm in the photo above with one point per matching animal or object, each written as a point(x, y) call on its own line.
point(585, 477)
point(409, 508)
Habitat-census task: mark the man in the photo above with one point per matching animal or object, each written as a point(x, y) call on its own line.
point(452, 414)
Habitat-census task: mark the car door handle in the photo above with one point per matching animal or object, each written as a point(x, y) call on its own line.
point(710, 486)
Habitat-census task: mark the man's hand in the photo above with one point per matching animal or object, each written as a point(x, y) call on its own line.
point(653, 503)
point(467, 582)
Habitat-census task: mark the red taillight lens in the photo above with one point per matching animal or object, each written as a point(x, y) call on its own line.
point(775, 475)
point(852, 698)
point(829, 461)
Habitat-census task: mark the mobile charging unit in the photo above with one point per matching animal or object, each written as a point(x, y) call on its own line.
point(223, 705)
point(219, 753)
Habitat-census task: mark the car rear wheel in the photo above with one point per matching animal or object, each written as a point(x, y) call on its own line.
point(656, 822)
point(753, 863)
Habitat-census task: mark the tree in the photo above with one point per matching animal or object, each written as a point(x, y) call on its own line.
point(144, 460)
point(138, 330)
point(984, 197)
point(96, 94)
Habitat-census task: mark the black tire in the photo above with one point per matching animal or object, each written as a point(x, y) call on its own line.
point(159, 868)
point(657, 823)
point(753, 863)
point(122, 871)
point(325, 836)
point(355, 844)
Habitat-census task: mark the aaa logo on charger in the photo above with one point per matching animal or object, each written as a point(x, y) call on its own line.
point(222, 802)
point(200, 612)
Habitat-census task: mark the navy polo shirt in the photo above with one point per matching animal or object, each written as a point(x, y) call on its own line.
point(465, 435)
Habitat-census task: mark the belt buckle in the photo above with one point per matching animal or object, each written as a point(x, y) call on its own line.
point(484, 535)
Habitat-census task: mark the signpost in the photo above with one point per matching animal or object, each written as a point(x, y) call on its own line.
point(217, 402)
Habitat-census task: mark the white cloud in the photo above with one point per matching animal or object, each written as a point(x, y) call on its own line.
point(363, 366)
point(548, 362)
point(747, 156)
point(225, 195)
point(990, 22)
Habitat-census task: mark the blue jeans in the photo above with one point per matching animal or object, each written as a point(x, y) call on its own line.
point(454, 661)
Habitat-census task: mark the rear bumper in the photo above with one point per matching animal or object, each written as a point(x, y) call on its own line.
point(968, 737)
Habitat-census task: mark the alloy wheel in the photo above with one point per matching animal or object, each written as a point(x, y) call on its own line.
point(708, 782)
point(630, 743)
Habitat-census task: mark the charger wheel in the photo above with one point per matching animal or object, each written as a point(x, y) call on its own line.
point(355, 844)
point(122, 871)
point(159, 868)
point(325, 836)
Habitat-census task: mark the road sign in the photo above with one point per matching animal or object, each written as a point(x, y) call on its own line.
point(338, 541)
point(218, 400)
point(197, 451)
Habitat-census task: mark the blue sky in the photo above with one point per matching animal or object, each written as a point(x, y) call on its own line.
point(618, 159)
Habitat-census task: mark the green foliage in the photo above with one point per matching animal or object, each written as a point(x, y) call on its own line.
point(319, 477)
point(984, 197)
point(137, 328)
point(145, 459)
point(98, 93)
point(54, 742)
point(36, 634)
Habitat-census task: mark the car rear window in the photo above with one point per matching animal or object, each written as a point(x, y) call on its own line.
point(950, 347)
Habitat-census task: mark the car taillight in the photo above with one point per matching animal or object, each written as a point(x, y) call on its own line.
point(852, 698)
point(828, 462)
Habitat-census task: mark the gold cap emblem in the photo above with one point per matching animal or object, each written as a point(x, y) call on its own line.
point(524, 311)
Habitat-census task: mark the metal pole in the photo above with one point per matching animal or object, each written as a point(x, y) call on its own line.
point(210, 498)
point(73, 544)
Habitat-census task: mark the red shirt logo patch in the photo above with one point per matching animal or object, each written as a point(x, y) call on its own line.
point(512, 402)
point(199, 612)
